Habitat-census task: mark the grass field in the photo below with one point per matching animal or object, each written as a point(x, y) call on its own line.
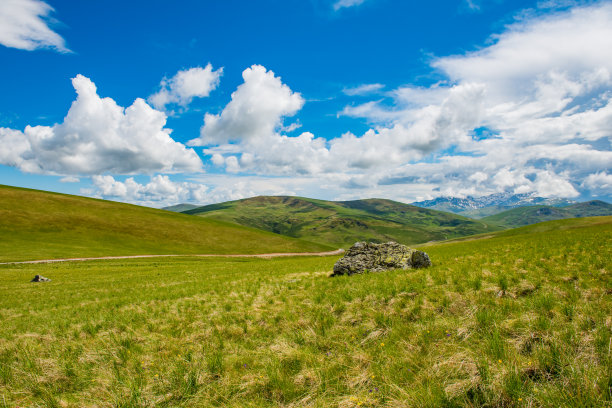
point(40, 225)
point(521, 319)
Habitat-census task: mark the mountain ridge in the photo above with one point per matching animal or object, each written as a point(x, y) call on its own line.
point(480, 207)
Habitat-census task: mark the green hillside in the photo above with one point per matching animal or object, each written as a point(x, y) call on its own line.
point(479, 213)
point(517, 217)
point(41, 225)
point(344, 222)
point(180, 207)
point(590, 209)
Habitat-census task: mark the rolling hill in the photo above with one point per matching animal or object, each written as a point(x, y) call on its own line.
point(41, 225)
point(180, 207)
point(342, 223)
point(517, 217)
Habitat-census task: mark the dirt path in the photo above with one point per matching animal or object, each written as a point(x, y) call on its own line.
point(274, 255)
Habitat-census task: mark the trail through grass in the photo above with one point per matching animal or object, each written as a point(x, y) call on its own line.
point(518, 320)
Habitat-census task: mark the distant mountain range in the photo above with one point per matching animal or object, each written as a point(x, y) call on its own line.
point(479, 207)
point(342, 223)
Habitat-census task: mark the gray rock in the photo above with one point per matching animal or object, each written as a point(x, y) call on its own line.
point(369, 257)
point(40, 278)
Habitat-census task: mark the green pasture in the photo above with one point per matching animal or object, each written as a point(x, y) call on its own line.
point(519, 319)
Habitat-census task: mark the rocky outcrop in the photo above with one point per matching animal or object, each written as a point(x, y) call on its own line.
point(369, 257)
point(40, 278)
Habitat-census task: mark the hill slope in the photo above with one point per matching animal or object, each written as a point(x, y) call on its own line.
point(344, 222)
point(539, 213)
point(180, 207)
point(42, 225)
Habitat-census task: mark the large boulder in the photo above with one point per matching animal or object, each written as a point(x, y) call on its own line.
point(369, 257)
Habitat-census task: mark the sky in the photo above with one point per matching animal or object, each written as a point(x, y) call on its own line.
point(204, 101)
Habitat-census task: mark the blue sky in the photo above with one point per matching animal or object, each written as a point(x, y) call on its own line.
point(207, 101)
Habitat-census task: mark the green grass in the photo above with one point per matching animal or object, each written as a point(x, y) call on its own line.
point(520, 319)
point(40, 225)
point(342, 223)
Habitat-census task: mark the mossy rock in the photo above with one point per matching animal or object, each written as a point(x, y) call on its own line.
point(370, 257)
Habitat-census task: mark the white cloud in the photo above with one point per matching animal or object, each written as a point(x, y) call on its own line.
point(545, 100)
point(70, 179)
point(13, 145)
point(250, 125)
point(536, 121)
point(478, 177)
point(192, 83)
point(98, 136)
point(363, 89)
point(600, 183)
point(290, 128)
point(159, 192)
point(549, 184)
point(572, 43)
point(339, 4)
point(24, 24)
point(255, 111)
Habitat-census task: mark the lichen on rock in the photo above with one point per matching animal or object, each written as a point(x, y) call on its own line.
point(370, 257)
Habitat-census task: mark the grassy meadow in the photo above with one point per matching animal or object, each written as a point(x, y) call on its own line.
point(522, 318)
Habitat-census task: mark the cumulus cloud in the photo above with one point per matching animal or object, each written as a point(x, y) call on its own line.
point(255, 111)
point(247, 135)
point(160, 191)
point(536, 120)
point(24, 24)
point(339, 4)
point(599, 183)
point(544, 102)
point(98, 136)
point(433, 127)
point(192, 83)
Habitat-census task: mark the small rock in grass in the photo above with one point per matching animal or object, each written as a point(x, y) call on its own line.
point(369, 257)
point(40, 278)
